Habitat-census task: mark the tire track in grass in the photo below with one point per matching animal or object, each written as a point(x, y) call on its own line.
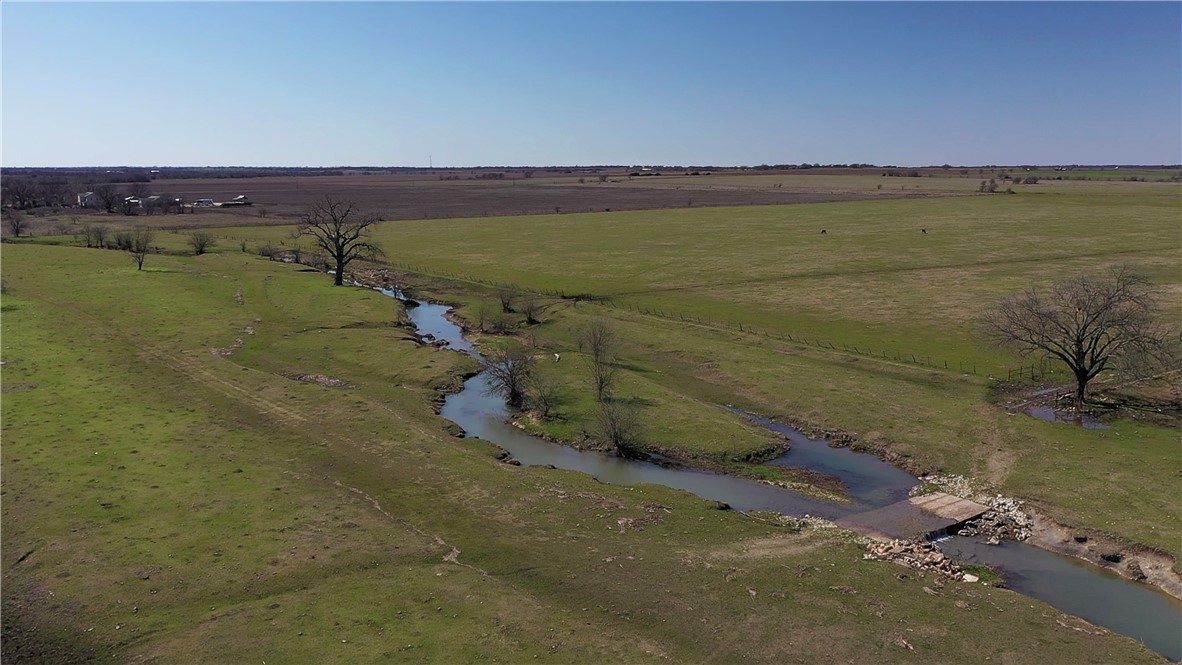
point(452, 556)
point(185, 366)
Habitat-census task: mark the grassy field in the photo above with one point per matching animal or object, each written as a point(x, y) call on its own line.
point(171, 497)
point(874, 280)
point(868, 328)
point(873, 313)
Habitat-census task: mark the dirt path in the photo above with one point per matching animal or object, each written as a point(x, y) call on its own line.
point(998, 461)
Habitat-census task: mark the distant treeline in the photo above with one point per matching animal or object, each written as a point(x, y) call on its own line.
point(134, 174)
point(126, 174)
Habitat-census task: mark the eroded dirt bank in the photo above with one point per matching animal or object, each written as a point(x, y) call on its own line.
point(1132, 561)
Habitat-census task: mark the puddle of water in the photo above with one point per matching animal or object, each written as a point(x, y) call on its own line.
point(1081, 589)
point(1054, 416)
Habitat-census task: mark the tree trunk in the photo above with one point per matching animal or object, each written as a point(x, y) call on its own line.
point(339, 278)
point(1081, 386)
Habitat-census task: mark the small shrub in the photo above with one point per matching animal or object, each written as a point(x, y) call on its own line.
point(619, 424)
point(201, 241)
point(543, 396)
point(531, 308)
point(500, 323)
point(123, 241)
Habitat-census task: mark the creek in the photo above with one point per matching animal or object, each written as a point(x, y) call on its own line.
point(1071, 585)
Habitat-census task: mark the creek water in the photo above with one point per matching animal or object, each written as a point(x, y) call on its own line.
point(1071, 585)
point(1077, 587)
point(869, 480)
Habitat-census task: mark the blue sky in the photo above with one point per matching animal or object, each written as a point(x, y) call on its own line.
point(466, 84)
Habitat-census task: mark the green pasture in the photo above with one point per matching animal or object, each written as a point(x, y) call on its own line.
point(871, 182)
point(873, 281)
point(1108, 174)
point(171, 497)
point(868, 328)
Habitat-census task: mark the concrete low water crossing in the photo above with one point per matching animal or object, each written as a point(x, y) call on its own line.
point(1073, 586)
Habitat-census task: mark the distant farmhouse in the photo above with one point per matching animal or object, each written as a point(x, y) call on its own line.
point(133, 204)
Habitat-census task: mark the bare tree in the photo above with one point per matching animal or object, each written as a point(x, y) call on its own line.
point(108, 196)
point(16, 221)
point(531, 308)
point(619, 424)
point(482, 314)
point(506, 298)
point(508, 372)
point(544, 396)
point(200, 241)
point(21, 193)
point(96, 235)
point(141, 244)
point(55, 193)
point(139, 190)
point(1092, 324)
point(341, 230)
point(599, 342)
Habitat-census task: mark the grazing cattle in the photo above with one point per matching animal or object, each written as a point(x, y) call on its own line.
point(822, 231)
point(557, 357)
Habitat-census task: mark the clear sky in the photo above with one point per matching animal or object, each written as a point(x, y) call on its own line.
point(530, 83)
